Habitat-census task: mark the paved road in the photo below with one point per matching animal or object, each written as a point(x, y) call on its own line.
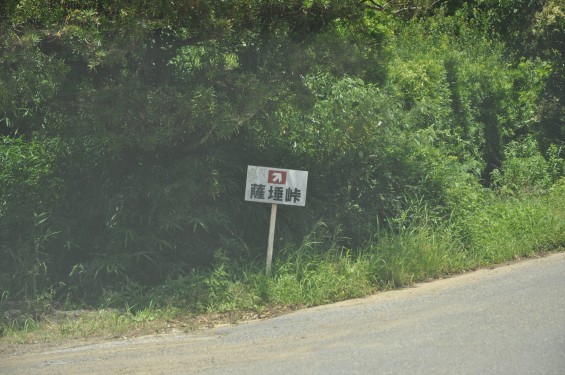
point(507, 320)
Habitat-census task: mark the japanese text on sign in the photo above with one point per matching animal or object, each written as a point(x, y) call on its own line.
point(272, 185)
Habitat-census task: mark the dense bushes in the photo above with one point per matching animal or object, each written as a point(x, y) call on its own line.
point(126, 132)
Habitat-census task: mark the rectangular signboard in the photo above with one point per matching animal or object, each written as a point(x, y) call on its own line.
point(276, 185)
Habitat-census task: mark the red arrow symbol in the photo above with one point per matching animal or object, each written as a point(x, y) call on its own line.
point(277, 177)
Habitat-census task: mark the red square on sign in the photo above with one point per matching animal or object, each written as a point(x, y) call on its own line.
point(277, 177)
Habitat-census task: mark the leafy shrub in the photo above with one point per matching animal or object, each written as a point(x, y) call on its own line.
point(524, 169)
point(126, 134)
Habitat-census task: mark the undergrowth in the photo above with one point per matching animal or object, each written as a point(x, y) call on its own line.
point(321, 269)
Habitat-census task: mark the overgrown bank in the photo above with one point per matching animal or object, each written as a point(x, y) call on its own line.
point(319, 270)
point(432, 132)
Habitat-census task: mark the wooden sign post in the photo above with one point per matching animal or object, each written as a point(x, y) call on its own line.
point(275, 186)
point(271, 237)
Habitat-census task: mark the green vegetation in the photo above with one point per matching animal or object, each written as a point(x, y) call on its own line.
point(433, 133)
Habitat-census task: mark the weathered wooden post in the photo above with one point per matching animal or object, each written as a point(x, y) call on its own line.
point(275, 186)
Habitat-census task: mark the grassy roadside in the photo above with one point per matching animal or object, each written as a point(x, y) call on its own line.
point(317, 271)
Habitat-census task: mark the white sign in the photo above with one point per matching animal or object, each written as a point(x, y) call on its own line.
point(276, 185)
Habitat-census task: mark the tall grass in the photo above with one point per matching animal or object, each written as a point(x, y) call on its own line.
point(513, 228)
point(321, 269)
point(317, 271)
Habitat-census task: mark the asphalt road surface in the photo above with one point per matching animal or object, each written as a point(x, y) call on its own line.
point(506, 320)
